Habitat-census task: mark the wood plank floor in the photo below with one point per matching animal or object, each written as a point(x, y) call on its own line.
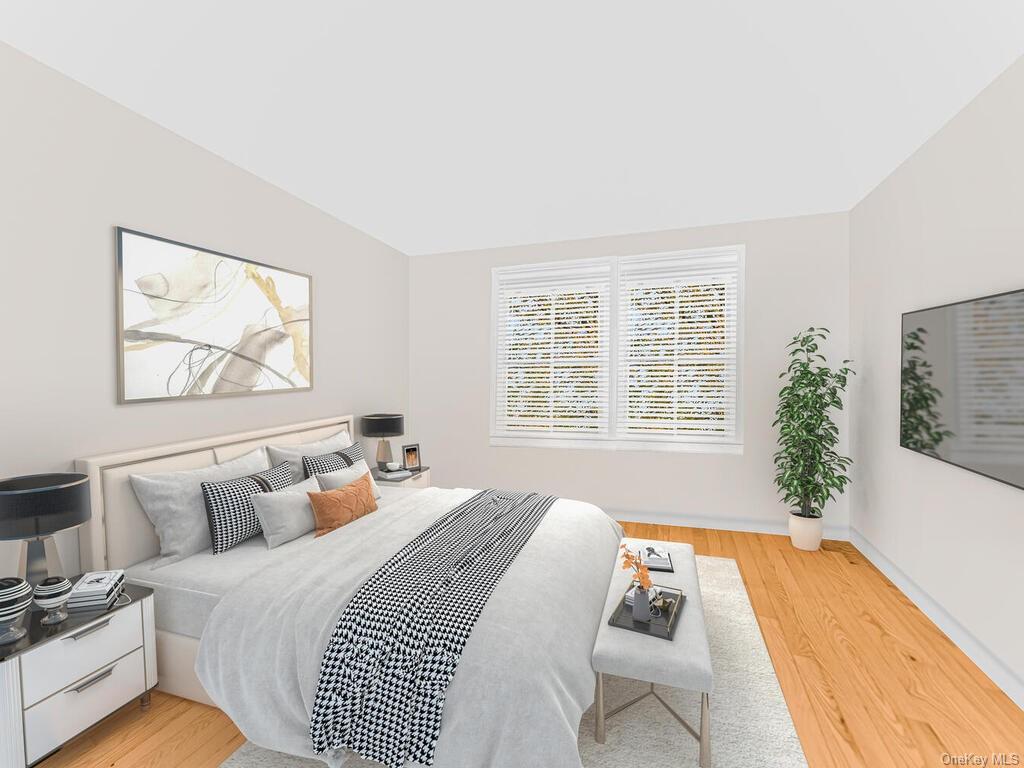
point(870, 681)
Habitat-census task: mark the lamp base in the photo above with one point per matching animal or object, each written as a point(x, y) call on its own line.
point(55, 615)
point(39, 559)
point(383, 453)
point(11, 631)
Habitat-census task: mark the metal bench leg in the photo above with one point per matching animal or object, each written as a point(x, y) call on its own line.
point(704, 761)
point(599, 710)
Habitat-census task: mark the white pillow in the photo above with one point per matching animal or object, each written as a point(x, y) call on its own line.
point(342, 477)
point(293, 453)
point(286, 515)
point(173, 502)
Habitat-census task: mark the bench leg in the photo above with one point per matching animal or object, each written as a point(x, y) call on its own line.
point(599, 709)
point(704, 761)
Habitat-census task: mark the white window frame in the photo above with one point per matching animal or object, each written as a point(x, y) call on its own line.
point(732, 444)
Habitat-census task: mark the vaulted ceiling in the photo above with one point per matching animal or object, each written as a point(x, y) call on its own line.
point(457, 124)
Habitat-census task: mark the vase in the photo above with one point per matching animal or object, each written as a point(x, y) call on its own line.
point(641, 605)
point(805, 532)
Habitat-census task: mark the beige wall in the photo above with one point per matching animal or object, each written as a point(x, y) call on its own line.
point(72, 166)
point(947, 225)
point(796, 275)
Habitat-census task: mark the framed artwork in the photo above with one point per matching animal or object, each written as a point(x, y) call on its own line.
point(192, 322)
point(411, 456)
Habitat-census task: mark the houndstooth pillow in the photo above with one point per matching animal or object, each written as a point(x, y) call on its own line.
point(229, 509)
point(332, 462)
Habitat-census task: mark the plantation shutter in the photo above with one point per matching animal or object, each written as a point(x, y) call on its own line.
point(991, 371)
point(677, 346)
point(551, 340)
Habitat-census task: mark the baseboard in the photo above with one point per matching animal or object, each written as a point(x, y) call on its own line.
point(746, 525)
point(1011, 684)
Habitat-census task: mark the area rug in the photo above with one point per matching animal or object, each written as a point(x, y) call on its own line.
point(750, 723)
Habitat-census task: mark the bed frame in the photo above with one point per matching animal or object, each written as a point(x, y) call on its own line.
point(119, 534)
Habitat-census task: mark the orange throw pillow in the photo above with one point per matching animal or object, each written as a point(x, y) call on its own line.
point(333, 509)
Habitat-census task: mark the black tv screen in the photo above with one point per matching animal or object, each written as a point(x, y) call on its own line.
point(962, 385)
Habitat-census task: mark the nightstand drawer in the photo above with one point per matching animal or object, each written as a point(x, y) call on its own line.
point(67, 713)
point(63, 660)
point(421, 480)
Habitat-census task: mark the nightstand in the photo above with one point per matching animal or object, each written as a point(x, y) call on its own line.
point(420, 479)
point(58, 680)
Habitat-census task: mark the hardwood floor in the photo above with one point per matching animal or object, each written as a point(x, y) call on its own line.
point(870, 681)
point(172, 732)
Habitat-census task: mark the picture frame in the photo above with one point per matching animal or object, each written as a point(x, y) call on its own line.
point(411, 458)
point(197, 323)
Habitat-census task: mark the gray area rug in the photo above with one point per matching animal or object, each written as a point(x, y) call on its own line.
point(750, 723)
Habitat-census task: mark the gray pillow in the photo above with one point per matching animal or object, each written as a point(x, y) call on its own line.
point(173, 502)
point(293, 453)
point(342, 477)
point(286, 515)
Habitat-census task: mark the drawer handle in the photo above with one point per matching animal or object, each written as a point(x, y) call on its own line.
point(93, 680)
point(88, 630)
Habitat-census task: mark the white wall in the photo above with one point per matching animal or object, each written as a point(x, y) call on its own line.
point(796, 275)
point(72, 166)
point(947, 225)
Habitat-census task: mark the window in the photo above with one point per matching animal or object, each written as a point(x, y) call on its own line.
point(628, 352)
point(551, 337)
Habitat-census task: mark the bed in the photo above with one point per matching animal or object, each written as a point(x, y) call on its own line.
point(245, 630)
point(186, 592)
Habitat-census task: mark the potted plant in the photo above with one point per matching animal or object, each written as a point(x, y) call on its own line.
point(642, 583)
point(808, 469)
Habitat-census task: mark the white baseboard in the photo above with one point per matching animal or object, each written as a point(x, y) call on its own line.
point(747, 525)
point(989, 663)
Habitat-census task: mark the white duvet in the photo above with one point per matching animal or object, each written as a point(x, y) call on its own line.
point(524, 678)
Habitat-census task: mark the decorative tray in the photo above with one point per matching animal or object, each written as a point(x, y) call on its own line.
point(663, 626)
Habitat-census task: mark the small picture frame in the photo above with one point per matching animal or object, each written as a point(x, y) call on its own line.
point(411, 457)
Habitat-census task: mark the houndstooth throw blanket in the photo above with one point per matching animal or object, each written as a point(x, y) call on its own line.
point(397, 645)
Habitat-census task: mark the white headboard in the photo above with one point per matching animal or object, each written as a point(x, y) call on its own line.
point(119, 533)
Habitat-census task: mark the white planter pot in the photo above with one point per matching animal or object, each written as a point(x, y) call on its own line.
point(805, 532)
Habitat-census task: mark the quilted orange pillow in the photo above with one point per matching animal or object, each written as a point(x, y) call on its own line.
point(333, 509)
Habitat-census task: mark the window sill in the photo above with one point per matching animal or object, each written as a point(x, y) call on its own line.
point(655, 446)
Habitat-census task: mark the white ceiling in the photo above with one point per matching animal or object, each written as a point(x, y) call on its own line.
point(451, 124)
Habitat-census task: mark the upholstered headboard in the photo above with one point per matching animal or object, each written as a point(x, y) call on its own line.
point(119, 533)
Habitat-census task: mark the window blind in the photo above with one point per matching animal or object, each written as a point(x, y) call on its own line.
point(552, 349)
point(677, 345)
point(626, 352)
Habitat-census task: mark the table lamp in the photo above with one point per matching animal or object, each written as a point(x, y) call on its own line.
point(33, 508)
point(383, 425)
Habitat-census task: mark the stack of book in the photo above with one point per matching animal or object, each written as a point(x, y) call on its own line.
point(656, 558)
point(653, 594)
point(96, 591)
point(398, 474)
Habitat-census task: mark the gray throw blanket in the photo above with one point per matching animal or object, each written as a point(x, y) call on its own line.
point(396, 647)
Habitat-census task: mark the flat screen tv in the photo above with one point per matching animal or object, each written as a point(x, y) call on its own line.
point(962, 385)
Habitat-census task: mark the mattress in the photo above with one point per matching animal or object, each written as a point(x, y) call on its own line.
point(186, 592)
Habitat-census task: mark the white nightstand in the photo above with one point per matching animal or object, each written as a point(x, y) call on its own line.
point(57, 681)
point(420, 479)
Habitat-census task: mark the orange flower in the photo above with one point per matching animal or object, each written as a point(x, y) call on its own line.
point(644, 577)
point(641, 575)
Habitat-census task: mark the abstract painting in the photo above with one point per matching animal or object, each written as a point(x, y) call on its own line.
point(197, 323)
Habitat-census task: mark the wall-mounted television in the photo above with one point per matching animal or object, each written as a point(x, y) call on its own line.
point(962, 385)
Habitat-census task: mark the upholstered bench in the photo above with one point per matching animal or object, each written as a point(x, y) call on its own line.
point(683, 662)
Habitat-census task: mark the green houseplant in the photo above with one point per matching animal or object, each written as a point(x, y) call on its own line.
point(809, 471)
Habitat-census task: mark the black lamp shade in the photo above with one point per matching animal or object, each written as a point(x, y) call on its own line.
point(383, 425)
point(40, 505)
